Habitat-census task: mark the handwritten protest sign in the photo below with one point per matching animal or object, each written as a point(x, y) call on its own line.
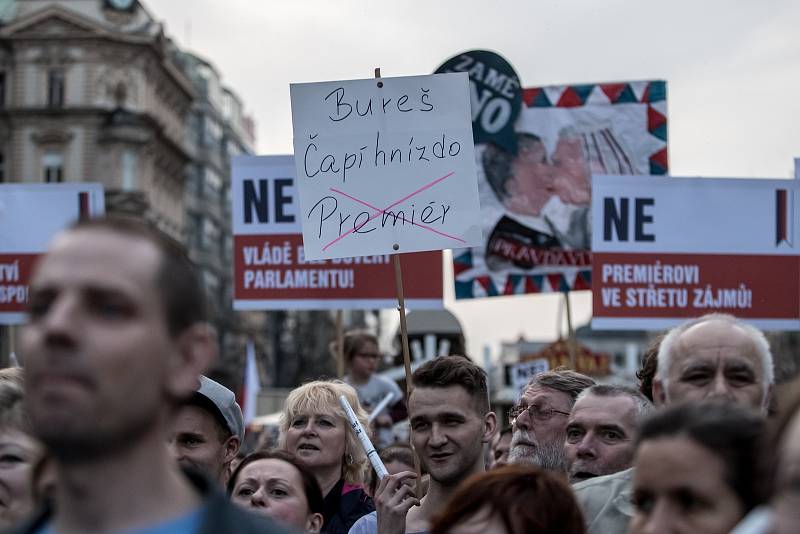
point(30, 215)
point(385, 162)
point(666, 249)
point(271, 270)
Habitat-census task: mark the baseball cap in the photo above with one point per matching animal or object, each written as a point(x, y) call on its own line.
point(225, 403)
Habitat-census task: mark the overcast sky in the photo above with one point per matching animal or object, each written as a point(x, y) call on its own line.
point(732, 69)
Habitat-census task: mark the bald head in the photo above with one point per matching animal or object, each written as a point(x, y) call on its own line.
point(714, 357)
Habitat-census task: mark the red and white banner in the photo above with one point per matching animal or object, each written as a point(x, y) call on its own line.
point(30, 215)
point(271, 272)
point(668, 249)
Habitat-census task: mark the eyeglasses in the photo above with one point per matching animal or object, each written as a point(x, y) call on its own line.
point(536, 412)
point(368, 355)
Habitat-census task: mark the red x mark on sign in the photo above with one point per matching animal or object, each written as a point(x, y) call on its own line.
point(379, 211)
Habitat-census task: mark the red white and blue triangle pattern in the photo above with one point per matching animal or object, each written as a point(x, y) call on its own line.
point(651, 93)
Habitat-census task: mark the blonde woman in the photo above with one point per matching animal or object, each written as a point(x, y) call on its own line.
point(314, 428)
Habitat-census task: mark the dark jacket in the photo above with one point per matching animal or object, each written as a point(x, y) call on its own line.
point(220, 516)
point(344, 505)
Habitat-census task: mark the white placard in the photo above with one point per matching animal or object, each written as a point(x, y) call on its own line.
point(385, 162)
point(646, 214)
point(668, 249)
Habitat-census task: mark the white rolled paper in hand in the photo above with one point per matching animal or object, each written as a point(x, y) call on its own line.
point(361, 434)
point(380, 407)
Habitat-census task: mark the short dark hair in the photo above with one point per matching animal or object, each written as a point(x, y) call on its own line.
point(497, 164)
point(310, 485)
point(177, 279)
point(525, 498)
point(353, 341)
point(446, 371)
point(564, 380)
point(727, 431)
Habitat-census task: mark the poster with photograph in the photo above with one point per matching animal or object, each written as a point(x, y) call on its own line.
point(535, 203)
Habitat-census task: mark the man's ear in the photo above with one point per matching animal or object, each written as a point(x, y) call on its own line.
point(196, 349)
point(231, 447)
point(659, 393)
point(489, 427)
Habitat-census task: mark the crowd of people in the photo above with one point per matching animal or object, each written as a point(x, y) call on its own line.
point(111, 426)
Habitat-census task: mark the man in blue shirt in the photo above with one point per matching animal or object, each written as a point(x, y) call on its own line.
point(117, 337)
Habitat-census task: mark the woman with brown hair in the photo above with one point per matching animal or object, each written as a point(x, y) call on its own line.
point(276, 484)
point(513, 499)
point(696, 469)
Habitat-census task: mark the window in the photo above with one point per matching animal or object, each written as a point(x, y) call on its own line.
point(212, 185)
point(212, 283)
point(211, 234)
point(195, 231)
point(212, 132)
point(129, 170)
point(55, 88)
point(52, 167)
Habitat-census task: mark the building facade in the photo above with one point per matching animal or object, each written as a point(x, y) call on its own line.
point(218, 130)
point(89, 93)
point(94, 91)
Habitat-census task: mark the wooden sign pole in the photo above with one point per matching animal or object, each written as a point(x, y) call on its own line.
point(401, 306)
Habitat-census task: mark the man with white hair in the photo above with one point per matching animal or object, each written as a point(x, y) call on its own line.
point(715, 357)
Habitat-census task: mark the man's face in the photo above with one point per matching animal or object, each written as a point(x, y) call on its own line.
point(571, 180)
point(198, 441)
point(531, 183)
point(539, 439)
point(96, 345)
point(714, 360)
point(600, 435)
point(447, 432)
point(500, 450)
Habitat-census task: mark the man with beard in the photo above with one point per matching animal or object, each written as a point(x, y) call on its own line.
point(715, 357)
point(208, 430)
point(116, 338)
point(450, 422)
point(539, 421)
point(601, 430)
